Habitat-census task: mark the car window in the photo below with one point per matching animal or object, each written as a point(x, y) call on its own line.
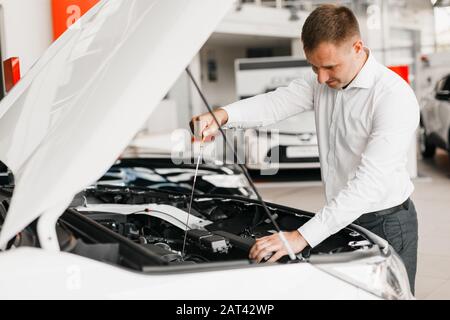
point(443, 84)
point(446, 84)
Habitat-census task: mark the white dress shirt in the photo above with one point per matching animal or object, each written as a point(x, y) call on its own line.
point(364, 133)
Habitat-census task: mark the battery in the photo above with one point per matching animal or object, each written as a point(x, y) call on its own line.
point(206, 240)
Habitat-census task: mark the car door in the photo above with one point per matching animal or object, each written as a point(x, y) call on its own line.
point(435, 115)
point(443, 104)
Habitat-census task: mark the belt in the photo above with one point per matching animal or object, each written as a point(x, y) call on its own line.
point(403, 206)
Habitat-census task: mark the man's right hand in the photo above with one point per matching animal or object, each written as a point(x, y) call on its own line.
point(204, 127)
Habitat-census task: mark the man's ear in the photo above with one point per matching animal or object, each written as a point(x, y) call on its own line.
point(358, 46)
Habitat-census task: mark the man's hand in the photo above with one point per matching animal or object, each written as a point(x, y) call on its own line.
point(273, 246)
point(204, 127)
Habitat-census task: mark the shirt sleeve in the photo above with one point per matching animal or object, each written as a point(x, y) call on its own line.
point(268, 108)
point(394, 121)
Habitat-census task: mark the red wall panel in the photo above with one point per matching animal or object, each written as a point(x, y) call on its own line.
point(67, 12)
point(402, 71)
point(11, 69)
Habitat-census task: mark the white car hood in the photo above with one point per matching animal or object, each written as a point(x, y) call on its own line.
point(71, 116)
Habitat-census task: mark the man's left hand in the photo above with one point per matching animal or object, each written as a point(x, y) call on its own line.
point(274, 247)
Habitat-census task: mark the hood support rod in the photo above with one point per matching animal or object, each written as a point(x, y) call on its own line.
point(291, 253)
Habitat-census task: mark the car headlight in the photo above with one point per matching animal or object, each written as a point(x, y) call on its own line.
point(383, 276)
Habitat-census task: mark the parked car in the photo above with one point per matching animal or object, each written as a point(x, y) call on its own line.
point(285, 145)
point(65, 235)
point(435, 119)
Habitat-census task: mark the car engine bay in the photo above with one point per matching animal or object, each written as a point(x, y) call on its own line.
point(139, 228)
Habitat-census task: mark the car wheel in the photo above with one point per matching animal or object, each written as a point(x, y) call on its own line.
point(427, 149)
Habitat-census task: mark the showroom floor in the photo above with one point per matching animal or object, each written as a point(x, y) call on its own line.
point(432, 201)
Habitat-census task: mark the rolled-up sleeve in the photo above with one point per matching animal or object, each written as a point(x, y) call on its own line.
point(394, 121)
point(271, 107)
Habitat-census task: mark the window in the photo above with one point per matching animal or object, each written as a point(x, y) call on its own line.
point(443, 84)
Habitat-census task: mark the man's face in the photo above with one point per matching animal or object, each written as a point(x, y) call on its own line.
point(336, 65)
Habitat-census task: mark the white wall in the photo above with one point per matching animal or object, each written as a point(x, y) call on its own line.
point(26, 30)
point(417, 18)
point(297, 48)
point(250, 20)
point(442, 19)
point(222, 91)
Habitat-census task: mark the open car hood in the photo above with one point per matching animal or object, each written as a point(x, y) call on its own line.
point(71, 116)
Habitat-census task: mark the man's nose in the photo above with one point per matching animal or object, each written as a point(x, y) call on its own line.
point(322, 76)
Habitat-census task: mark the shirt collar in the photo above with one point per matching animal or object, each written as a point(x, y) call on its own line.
point(366, 76)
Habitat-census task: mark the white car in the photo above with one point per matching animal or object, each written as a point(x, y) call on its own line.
point(289, 144)
point(270, 151)
point(435, 119)
point(65, 124)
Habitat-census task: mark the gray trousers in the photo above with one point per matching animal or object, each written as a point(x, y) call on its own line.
point(401, 231)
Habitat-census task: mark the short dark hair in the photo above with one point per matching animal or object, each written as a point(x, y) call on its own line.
point(329, 23)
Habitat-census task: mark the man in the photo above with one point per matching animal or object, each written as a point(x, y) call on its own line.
point(366, 117)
